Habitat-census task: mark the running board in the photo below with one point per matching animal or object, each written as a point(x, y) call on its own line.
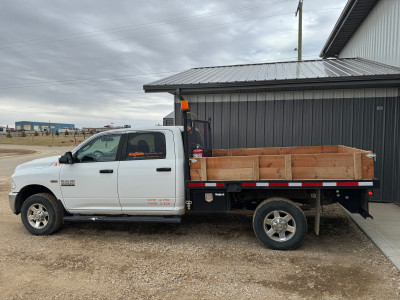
point(123, 219)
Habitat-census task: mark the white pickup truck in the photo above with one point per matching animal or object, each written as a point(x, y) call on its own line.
point(133, 175)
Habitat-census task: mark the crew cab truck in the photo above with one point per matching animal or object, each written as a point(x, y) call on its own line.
point(150, 175)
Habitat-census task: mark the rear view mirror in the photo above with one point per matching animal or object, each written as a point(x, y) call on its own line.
point(107, 139)
point(66, 158)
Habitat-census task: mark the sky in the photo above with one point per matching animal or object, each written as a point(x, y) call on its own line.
point(85, 62)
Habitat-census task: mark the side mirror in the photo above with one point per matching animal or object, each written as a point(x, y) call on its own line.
point(66, 158)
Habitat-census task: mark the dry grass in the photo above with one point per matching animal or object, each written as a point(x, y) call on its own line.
point(43, 140)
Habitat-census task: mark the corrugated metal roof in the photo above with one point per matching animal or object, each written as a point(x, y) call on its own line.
point(351, 18)
point(271, 75)
point(171, 115)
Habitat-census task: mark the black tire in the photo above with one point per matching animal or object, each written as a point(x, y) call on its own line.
point(48, 218)
point(283, 220)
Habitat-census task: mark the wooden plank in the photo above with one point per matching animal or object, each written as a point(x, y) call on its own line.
point(229, 162)
point(367, 166)
point(230, 174)
point(272, 161)
point(195, 174)
point(322, 173)
point(322, 160)
point(275, 151)
point(288, 167)
point(203, 174)
point(256, 168)
point(272, 173)
point(368, 172)
point(366, 161)
point(357, 166)
point(345, 149)
point(195, 163)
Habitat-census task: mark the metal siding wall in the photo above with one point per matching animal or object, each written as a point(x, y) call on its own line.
point(278, 123)
point(316, 138)
point(287, 138)
point(337, 121)
point(378, 140)
point(377, 38)
point(327, 112)
point(367, 119)
point(242, 120)
point(251, 121)
point(218, 121)
point(297, 122)
point(358, 123)
point(234, 131)
point(269, 123)
point(226, 120)
point(307, 122)
point(396, 175)
point(260, 119)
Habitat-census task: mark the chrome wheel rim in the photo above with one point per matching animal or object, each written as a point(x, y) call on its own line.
point(279, 225)
point(38, 216)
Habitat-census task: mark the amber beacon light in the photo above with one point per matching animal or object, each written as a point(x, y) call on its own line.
point(184, 105)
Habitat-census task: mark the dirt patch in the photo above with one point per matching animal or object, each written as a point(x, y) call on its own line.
point(15, 152)
point(325, 281)
point(204, 257)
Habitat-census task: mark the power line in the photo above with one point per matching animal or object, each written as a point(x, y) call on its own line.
point(134, 27)
point(163, 33)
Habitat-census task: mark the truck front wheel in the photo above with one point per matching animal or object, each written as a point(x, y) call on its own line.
point(41, 214)
point(279, 224)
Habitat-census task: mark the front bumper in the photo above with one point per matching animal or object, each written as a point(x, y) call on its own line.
point(12, 198)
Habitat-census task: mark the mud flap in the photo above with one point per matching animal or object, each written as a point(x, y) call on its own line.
point(356, 201)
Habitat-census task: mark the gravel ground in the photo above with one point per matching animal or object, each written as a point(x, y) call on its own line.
point(207, 256)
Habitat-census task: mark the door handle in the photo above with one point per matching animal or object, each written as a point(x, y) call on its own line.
point(106, 171)
point(163, 169)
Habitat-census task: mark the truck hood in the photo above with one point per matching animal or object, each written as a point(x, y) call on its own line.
point(38, 163)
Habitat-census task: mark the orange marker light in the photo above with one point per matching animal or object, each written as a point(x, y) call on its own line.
point(184, 105)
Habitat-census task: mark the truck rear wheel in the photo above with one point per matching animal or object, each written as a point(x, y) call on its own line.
point(279, 224)
point(41, 214)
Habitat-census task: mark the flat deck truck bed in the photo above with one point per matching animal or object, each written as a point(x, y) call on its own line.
point(277, 183)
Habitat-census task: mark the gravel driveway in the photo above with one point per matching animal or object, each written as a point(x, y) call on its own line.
point(207, 256)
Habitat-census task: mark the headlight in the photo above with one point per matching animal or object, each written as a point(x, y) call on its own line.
point(13, 186)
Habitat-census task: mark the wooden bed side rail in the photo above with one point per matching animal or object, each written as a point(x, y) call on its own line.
point(275, 151)
point(283, 167)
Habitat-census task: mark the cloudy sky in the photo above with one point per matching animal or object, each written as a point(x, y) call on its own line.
point(85, 62)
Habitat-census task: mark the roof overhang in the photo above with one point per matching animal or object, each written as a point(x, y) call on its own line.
point(351, 18)
point(279, 85)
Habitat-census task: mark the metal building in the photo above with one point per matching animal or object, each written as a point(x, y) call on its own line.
point(169, 120)
point(368, 29)
point(41, 126)
point(347, 101)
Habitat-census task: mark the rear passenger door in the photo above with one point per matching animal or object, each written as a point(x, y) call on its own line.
point(146, 175)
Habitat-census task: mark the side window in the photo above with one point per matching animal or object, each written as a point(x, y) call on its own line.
point(146, 145)
point(104, 148)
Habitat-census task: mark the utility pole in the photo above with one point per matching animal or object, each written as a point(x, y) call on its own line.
point(300, 11)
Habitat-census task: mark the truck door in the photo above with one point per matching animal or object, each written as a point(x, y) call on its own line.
point(146, 175)
point(90, 183)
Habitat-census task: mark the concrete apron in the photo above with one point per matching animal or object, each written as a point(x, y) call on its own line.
point(383, 230)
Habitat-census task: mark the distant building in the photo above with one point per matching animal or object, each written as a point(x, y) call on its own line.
point(41, 126)
point(3, 130)
point(169, 120)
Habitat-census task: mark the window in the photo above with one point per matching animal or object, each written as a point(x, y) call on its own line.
point(145, 145)
point(103, 148)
